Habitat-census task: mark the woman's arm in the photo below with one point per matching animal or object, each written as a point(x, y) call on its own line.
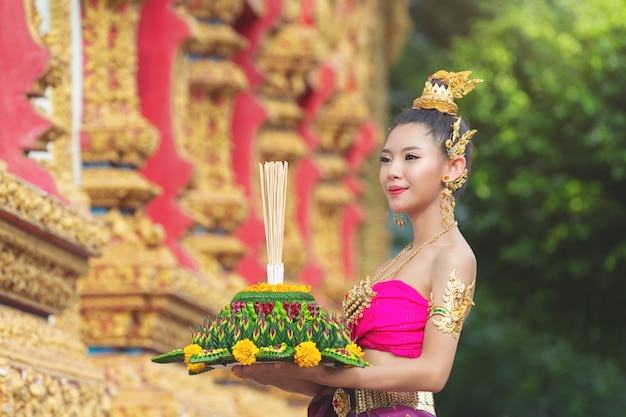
point(271, 374)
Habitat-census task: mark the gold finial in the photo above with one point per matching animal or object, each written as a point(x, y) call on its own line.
point(441, 96)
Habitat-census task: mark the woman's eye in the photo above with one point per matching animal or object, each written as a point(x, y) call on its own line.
point(410, 157)
point(384, 159)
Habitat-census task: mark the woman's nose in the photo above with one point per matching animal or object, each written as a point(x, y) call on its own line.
point(395, 170)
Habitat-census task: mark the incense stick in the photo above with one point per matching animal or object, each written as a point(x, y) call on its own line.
point(273, 176)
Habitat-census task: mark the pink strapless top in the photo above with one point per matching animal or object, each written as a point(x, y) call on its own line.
point(395, 320)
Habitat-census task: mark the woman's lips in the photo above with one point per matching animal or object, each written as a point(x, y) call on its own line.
point(396, 190)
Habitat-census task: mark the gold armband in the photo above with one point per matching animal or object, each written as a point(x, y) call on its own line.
point(457, 300)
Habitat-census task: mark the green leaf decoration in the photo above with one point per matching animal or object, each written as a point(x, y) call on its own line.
point(281, 352)
point(340, 356)
point(221, 356)
point(177, 355)
point(206, 369)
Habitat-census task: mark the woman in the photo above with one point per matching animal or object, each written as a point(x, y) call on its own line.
point(408, 316)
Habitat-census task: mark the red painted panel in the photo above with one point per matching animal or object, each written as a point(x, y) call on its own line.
point(157, 47)
point(22, 61)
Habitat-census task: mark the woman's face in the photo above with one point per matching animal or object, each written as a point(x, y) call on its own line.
point(412, 165)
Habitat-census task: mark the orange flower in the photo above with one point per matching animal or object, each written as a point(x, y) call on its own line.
point(245, 352)
point(355, 349)
point(191, 350)
point(307, 355)
point(265, 287)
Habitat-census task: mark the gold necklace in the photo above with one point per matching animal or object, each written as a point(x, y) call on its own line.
point(361, 295)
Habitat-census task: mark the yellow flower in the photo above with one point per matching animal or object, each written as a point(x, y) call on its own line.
point(355, 349)
point(191, 350)
point(265, 287)
point(307, 355)
point(245, 352)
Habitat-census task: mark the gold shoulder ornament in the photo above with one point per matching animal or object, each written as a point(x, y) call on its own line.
point(457, 300)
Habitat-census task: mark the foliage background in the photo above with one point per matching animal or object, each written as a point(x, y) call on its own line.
point(545, 204)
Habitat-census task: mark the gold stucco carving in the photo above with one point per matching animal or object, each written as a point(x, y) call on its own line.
point(112, 187)
point(203, 120)
point(218, 39)
point(45, 371)
point(113, 127)
point(288, 60)
point(339, 121)
point(217, 77)
point(340, 24)
point(55, 88)
point(138, 382)
point(48, 214)
point(226, 11)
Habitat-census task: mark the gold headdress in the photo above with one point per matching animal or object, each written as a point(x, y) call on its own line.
point(441, 97)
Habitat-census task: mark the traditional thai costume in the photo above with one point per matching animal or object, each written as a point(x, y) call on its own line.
point(394, 322)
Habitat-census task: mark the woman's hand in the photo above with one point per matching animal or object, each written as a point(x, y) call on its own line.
point(286, 376)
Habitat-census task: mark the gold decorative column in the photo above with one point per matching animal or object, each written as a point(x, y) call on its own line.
point(136, 297)
point(44, 247)
point(337, 125)
point(287, 60)
point(204, 92)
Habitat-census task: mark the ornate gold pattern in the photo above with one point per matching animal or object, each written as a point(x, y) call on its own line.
point(112, 187)
point(113, 127)
point(370, 400)
point(226, 11)
point(340, 24)
point(137, 382)
point(457, 300)
point(56, 86)
point(341, 402)
point(48, 214)
point(224, 250)
point(339, 121)
point(203, 133)
point(441, 96)
point(221, 40)
point(337, 124)
point(287, 60)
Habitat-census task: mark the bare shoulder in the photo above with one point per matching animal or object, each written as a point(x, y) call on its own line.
point(457, 259)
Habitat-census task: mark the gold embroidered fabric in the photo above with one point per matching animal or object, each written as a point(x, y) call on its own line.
point(457, 300)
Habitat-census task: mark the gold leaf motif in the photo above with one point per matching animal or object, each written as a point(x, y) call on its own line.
point(457, 300)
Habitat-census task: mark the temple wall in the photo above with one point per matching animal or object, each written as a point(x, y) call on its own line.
point(130, 204)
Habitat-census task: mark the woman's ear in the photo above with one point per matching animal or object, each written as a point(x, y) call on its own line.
point(455, 167)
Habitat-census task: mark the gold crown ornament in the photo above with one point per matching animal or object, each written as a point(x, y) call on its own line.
point(441, 96)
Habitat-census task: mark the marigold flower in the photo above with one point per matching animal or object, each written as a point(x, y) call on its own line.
point(265, 287)
point(189, 351)
point(355, 349)
point(307, 355)
point(245, 352)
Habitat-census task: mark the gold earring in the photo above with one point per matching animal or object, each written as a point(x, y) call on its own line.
point(447, 202)
point(398, 219)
